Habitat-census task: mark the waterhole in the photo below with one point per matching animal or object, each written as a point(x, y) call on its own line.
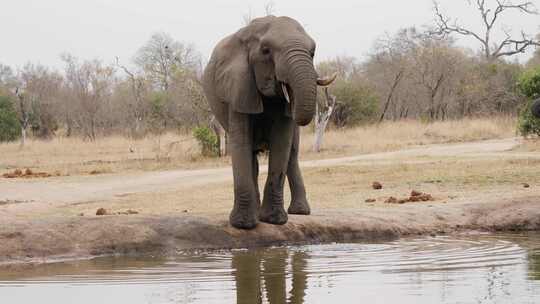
point(457, 269)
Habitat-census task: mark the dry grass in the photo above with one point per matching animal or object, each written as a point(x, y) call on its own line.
point(391, 136)
point(105, 155)
point(118, 154)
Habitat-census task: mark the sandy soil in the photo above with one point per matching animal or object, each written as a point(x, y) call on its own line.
point(476, 185)
point(78, 189)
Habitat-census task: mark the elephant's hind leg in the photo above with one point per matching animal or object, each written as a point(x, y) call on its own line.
point(299, 204)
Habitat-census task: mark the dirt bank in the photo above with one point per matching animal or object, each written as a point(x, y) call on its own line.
point(474, 186)
point(48, 239)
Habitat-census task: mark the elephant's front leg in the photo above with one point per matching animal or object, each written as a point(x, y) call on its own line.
point(299, 203)
point(280, 141)
point(246, 196)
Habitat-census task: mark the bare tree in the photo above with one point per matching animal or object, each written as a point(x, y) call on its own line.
point(23, 111)
point(323, 112)
point(162, 57)
point(91, 85)
point(388, 65)
point(535, 60)
point(490, 16)
point(269, 9)
point(138, 105)
point(434, 66)
point(7, 79)
point(36, 90)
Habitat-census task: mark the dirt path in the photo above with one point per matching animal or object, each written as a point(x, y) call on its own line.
point(78, 189)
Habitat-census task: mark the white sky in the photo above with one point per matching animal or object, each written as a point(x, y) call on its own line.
point(40, 30)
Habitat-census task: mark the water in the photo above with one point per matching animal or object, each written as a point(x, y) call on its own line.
point(468, 269)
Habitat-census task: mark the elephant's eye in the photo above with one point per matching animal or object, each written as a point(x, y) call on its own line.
point(312, 53)
point(265, 51)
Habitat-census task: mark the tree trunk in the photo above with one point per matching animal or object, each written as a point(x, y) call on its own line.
point(322, 117)
point(23, 136)
point(390, 95)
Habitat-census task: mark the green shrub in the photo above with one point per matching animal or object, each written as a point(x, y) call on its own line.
point(207, 140)
point(10, 128)
point(527, 123)
point(356, 104)
point(529, 85)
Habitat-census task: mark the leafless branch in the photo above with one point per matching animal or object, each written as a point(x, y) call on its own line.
point(508, 47)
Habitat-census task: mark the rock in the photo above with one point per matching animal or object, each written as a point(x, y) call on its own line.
point(28, 173)
point(376, 186)
point(415, 197)
point(101, 211)
point(128, 212)
point(416, 193)
point(371, 200)
point(426, 197)
point(391, 200)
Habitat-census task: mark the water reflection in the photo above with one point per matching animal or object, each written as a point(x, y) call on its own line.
point(534, 265)
point(257, 275)
point(467, 269)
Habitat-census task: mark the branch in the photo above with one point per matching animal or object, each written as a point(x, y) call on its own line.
point(526, 8)
point(444, 29)
point(519, 46)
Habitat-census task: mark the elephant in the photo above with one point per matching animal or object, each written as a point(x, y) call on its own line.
point(535, 108)
point(261, 85)
point(256, 274)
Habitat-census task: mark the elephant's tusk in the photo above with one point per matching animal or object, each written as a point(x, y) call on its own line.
point(323, 82)
point(284, 88)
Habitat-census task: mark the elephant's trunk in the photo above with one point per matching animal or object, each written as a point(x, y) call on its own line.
point(303, 82)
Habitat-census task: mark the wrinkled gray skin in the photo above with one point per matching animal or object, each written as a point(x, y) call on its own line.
point(243, 85)
point(535, 108)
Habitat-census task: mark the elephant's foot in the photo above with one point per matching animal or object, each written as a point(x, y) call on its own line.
point(273, 214)
point(243, 218)
point(299, 207)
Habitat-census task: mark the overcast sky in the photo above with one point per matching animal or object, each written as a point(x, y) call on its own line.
point(39, 30)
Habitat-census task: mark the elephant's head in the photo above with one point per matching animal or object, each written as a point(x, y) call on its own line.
point(535, 108)
point(271, 57)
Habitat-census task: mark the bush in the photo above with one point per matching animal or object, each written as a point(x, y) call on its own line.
point(527, 123)
point(529, 85)
point(10, 128)
point(207, 140)
point(43, 122)
point(356, 104)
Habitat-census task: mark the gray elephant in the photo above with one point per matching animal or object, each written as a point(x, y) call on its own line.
point(261, 85)
point(535, 108)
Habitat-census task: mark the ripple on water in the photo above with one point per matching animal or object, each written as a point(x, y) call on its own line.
point(469, 269)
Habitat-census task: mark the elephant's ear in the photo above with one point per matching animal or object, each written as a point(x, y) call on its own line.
point(234, 77)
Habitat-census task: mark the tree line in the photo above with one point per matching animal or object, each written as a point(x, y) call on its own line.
point(410, 74)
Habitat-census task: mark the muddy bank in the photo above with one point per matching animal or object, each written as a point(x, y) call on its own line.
point(83, 237)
